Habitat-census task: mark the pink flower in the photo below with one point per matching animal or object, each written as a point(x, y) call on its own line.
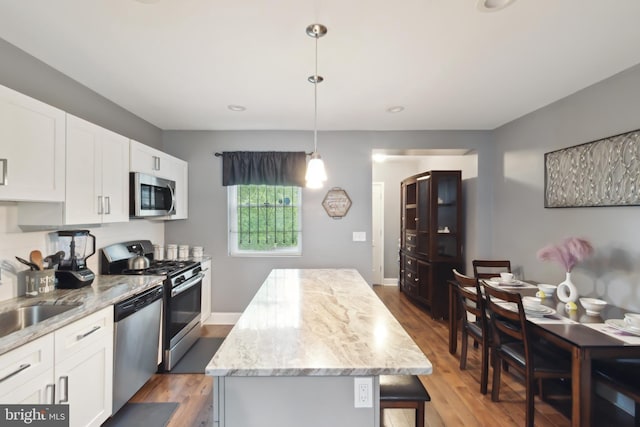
point(568, 253)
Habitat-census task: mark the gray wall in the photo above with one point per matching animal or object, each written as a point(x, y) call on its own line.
point(25, 74)
point(522, 225)
point(326, 242)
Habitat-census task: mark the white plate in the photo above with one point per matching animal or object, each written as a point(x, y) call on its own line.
point(621, 326)
point(538, 310)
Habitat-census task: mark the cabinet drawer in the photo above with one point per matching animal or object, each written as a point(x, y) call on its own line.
point(411, 278)
point(25, 363)
point(410, 239)
point(410, 264)
point(86, 332)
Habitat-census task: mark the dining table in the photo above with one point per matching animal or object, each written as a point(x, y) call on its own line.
point(585, 336)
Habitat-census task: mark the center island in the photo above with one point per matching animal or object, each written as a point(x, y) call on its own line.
point(308, 351)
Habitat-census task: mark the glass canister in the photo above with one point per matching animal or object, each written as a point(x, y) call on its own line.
point(158, 252)
point(172, 252)
point(183, 252)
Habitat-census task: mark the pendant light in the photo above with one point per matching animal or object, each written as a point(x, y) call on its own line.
point(316, 174)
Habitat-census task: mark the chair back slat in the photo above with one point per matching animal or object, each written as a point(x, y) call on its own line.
point(470, 300)
point(485, 268)
point(506, 321)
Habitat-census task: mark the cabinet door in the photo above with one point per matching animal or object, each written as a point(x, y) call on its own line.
point(32, 149)
point(84, 202)
point(84, 368)
point(447, 221)
point(425, 282)
point(145, 159)
point(84, 381)
point(181, 177)
point(206, 291)
point(115, 177)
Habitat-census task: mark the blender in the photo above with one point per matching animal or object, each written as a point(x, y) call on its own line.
point(78, 245)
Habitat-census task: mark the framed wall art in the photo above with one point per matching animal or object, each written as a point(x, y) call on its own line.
point(605, 172)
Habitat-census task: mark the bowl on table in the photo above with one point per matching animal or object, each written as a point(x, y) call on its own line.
point(593, 305)
point(547, 290)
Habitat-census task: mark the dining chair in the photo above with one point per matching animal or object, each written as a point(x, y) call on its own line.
point(471, 301)
point(512, 344)
point(485, 268)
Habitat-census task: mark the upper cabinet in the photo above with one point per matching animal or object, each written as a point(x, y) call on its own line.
point(97, 174)
point(154, 162)
point(32, 149)
point(97, 180)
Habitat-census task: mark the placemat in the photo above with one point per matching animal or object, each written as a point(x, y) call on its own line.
point(615, 333)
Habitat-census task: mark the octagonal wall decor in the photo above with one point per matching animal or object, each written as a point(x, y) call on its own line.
point(336, 203)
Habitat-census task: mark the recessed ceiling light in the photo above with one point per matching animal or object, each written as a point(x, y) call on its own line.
point(148, 1)
point(493, 5)
point(396, 109)
point(236, 108)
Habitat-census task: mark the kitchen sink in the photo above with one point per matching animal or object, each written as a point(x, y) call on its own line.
point(23, 317)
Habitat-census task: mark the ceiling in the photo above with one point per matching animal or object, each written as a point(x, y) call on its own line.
point(179, 64)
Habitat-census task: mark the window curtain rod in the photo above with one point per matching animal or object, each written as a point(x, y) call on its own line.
point(220, 154)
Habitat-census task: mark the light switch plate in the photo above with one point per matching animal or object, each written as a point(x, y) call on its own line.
point(359, 236)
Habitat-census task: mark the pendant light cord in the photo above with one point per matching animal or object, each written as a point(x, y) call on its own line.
point(315, 103)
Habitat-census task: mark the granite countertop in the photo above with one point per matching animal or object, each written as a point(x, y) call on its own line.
point(104, 291)
point(321, 322)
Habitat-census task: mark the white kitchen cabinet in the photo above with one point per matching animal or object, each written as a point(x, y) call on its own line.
point(84, 368)
point(32, 149)
point(26, 373)
point(75, 361)
point(97, 180)
point(154, 162)
point(97, 174)
point(206, 291)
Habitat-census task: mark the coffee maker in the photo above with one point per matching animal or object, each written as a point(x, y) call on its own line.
point(78, 245)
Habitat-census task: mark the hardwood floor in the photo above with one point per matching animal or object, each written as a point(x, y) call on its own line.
point(455, 394)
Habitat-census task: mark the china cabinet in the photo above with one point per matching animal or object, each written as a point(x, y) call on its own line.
point(431, 237)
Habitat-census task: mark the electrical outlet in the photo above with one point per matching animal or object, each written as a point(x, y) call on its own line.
point(363, 392)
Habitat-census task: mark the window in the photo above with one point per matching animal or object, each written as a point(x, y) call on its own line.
point(265, 220)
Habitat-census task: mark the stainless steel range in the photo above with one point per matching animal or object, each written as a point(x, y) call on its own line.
point(182, 294)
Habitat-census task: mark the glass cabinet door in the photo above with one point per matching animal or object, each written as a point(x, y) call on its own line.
point(422, 226)
point(446, 215)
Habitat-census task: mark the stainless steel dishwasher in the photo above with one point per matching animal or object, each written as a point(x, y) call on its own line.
point(136, 340)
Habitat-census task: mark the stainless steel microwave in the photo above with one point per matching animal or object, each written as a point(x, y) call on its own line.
point(151, 196)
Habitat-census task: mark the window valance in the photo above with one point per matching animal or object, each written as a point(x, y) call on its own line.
point(263, 168)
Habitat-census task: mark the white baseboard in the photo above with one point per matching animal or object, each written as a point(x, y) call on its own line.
point(223, 319)
point(390, 281)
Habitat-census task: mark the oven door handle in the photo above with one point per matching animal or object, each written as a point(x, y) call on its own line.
point(187, 285)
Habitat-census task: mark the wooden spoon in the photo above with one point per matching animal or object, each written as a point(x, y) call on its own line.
point(36, 258)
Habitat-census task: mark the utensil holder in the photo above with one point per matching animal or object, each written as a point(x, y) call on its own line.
point(40, 281)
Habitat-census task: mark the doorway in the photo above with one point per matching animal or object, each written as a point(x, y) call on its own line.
point(377, 232)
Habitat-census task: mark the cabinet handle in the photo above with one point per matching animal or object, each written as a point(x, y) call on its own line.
point(16, 372)
point(415, 280)
point(86, 334)
point(107, 200)
point(3, 173)
point(409, 275)
point(53, 392)
point(409, 248)
point(100, 205)
point(66, 389)
point(409, 262)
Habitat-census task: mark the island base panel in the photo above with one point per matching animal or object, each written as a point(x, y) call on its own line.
point(312, 401)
